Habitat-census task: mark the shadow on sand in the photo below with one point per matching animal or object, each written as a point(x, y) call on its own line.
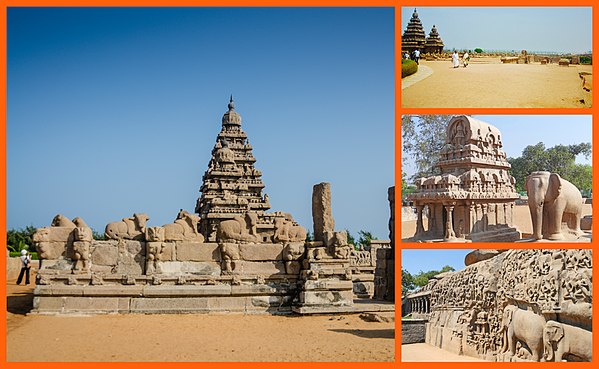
point(20, 303)
point(369, 333)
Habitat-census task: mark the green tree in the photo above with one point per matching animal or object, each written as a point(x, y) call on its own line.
point(559, 159)
point(422, 278)
point(407, 283)
point(19, 239)
point(422, 137)
point(364, 238)
point(309, 237)
point(350, 238)
point(98, 236)
point(478, 50)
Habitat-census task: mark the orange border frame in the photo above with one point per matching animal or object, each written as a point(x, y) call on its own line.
point(482, 111)
point(398, 4)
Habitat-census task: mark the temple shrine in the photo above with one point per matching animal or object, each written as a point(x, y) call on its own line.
point(473, 197)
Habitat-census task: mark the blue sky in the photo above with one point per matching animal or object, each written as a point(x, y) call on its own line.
point(557, 29)
point(519, 131)
point(417, 260)
point(112, 111)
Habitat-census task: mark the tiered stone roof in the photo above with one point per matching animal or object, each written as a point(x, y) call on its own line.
point(434, 44)
point(231, 186)
point(413, 37)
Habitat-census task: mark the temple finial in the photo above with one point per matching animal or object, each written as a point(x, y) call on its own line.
point(231, 103)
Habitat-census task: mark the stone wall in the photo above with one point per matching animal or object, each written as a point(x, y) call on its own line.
point(412, 331)
point(503, 308)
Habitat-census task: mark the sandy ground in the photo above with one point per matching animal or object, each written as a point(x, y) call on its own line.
point(426, 353)
point(190, 337)
point(490, 84)
point(521, 220)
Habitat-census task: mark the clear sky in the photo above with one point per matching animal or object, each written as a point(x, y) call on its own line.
point(556, 29)
point(417, 260)
point(116, 110)
point(519, 131)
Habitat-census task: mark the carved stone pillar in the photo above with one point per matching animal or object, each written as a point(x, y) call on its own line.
point(419, 224)
point(505, 213)
point(472, 218)
point(479, 218)
point(511, 215)
point(485, 218)
point(449, 233)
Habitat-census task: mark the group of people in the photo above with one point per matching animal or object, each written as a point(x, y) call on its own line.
point(415, 56)
point(455, 58)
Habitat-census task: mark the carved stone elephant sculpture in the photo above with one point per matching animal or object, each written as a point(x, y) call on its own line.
point(525, 326)
point(561, 339)
point(239, 229)
point(552, 199)
point(133, 228)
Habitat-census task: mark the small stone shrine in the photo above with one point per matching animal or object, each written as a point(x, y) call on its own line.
point(516, 306)
point(434, 44)
point(473, 197)
point(231, 257)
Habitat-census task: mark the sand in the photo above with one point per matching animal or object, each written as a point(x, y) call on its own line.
point(424, 352)
point(190, 337)
point(490, 84)
point(521, 219)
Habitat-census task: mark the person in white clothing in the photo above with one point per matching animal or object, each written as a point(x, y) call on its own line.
point(25, 266)
point(456, 59)
point(466, 59)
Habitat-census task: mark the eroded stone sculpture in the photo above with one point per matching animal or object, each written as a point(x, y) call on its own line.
point(57, 241)
point(133, 228)
point(551, 200)
point(520, 305)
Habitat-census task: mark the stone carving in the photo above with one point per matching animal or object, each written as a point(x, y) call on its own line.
point(524, 326)
point(133, 228)
point(81, 245)
point(292, 252)
point(56, 241)
point(563, 339)
point(153, 257)
point(239, 229)
point(498, 309)
point(229, 254)
point(184, 228)
point(321, 211)
point(338, 245)
point(62, 221)
point(286, 230)
point(155, 234)
point(552, 199)
point(473, 196)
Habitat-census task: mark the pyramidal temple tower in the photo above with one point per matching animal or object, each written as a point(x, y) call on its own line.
point(413, 37)
point(231, 186)
point(434, 44)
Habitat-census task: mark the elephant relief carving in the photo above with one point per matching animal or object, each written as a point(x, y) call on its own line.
point(563, 339)
point(133, 228)
point(551, 200)
point(184, 228)
point(239, 229)
point(286, 230)
point(522, 326)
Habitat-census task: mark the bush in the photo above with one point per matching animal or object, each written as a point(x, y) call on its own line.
point(408, 67)
point(478, 50)
point(586, 60)
point(17, 254)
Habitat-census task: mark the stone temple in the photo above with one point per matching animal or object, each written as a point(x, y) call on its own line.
point(233, 256)
point(473, 196)
point(414, 37)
